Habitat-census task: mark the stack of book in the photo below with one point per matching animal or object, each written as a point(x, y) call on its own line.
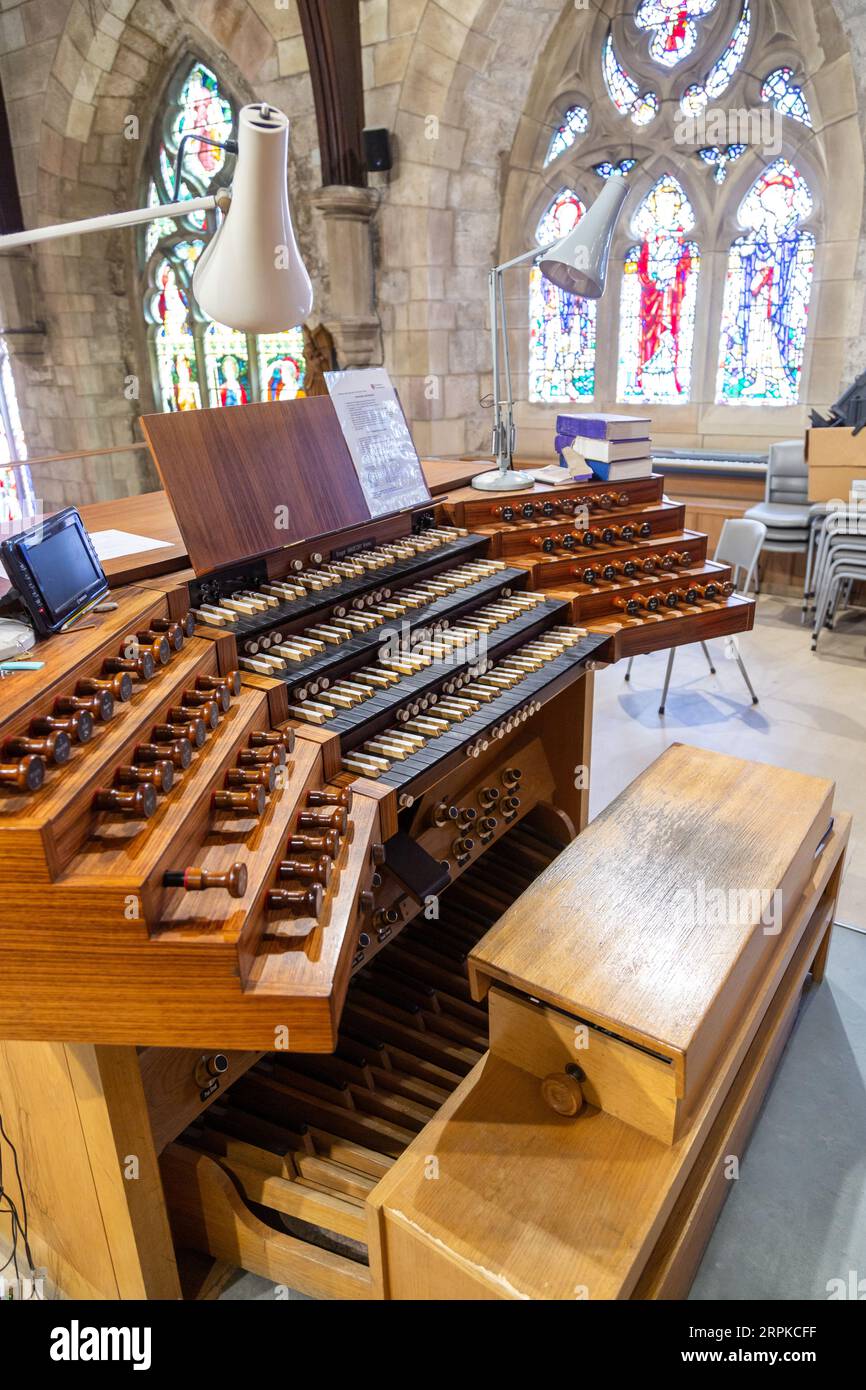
point(615, 447)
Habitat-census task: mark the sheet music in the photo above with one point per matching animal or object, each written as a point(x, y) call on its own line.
point(378, 439)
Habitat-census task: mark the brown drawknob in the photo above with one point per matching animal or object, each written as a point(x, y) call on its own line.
point(54, 748)
point(330, 796)
point(252, 777)
point(178, 751)
point(326, 842)
point(78, 726)
point(247, 803)
point(156, 645)
point(139, 803)
point(324, 818)
point(174, 631)
point(260, 757)
point(119, 686)
point(296, 902)
point(100, 706)
point(220, 693)
point(209, 712)
point(563, 1092)
point(263, 738)
point(141, 666)
point(27, 775)
point(233, 880)
point(231, 681)
point(159, 774)
point(192, 729)
point(195, 698)
point(314, 871)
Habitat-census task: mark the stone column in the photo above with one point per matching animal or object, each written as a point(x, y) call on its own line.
point(352, 320)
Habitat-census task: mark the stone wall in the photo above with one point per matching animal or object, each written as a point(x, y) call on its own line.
point(467, 88)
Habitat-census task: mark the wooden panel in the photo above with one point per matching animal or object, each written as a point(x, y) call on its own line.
point(673, 981)
point(77, 1118)
point(534, 1206)
point(174, 1092)
point(293, 461)
point(678, 1252)
point(672, 627)
point(208, 1213)
point(618, 1078)
point(469, 507)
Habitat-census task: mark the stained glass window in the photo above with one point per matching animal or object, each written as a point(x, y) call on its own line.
point(561, 325)
point(12, 442)
point(605, 170)
point(281, 370)
point(575, 122)
point(18, 508)
point(721, 74)
point(781, 91)
point(719, 158)
point(767, 292)
point(657, 303)
point(671, 26)
point(196, 361)
point(623, 90)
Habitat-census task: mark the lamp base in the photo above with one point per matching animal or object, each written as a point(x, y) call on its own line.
point(496, 481)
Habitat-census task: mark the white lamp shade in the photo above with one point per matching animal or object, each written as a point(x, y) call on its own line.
point(578, 263)
point(251, 275)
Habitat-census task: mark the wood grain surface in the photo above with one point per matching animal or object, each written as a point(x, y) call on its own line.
point(615, 930)
point(277, 471)
point(530, 1205)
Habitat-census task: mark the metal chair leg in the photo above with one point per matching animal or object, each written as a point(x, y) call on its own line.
point(709, 658)
point(628, 668)
point(671, 654)
point(745, 676)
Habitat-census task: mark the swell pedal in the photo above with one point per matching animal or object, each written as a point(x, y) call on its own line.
point(415, 870)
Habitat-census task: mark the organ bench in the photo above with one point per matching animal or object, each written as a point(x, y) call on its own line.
point(309, 961)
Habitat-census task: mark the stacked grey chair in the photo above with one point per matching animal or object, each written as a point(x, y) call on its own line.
point(840, 562)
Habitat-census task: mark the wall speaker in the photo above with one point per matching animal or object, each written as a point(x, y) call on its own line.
point(377, 150)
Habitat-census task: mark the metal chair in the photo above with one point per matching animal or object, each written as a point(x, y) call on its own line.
point(817, 516)
point(740, 545)
point(785, 510)
point(840, 563)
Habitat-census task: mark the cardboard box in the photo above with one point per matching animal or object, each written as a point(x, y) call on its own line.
point(836, 460)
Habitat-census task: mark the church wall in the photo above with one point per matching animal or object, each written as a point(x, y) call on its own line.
point(466, 88)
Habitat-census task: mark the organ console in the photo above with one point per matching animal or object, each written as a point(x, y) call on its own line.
point(299, 885)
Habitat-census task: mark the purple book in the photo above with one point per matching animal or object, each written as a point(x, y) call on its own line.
point(589, 426)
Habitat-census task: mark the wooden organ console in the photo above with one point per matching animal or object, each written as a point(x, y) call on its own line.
point(300, 897)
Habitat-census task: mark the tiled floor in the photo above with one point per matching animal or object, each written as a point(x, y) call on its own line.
point(796, 1217)
point(811, 716)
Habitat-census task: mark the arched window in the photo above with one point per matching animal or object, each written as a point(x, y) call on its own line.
point(17, 502)
point(719, 158)
point(657, 304)
point(767, 291)
point(12, 443)
point(574, 123)
point(722, 73)
point(622, 89)
point(781, 91)
point(196, 361)
point(672, 28)
point(561, 325)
